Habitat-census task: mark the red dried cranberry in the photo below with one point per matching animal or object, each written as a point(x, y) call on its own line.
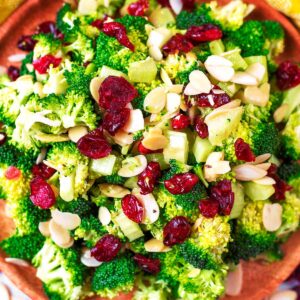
point(106, 248)
point(12, 173)
point(3, 138)
point(118, 30)
point(113, 121)
point(115, 93)
point(164, 3)
point(43, 171)
point(281, 187)
point(209, 208)
point(222, 192)
point(94, 145)
point(149, 177)
point(188, 5)
point(287, 75)
point(41, 194)
point(200, 127)
point(43, 63)
point(13, 73)
point(181, 183)
point(47, 27)
point(272, 170)
point(204, 33)
point(216, 100)
point(133, 208)
point(177, 43)
point(243, 151)
point(138, 8)
point(98, 23)
point(180, 121)
point(26, 43)
point(143, 150)
point(176, 231)
point(149, 265)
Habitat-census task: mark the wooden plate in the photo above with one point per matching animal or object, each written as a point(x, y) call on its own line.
point(259, 280)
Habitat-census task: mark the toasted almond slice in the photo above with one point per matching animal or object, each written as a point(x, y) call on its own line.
point(123, 138)
point(247, 172)
point(265, 181)
point(165, 77)
point(272, 216)
point(158, 37)
point(76, 133)
point(154, 245)
point(173, 102)
point(89, 261)
point(17, 262)
point(194, 273)
point(44, 228)
point(190, 90)
point(133, 166)
point(264, 166)
point(68, 244)
point(200, 82)
point(221, 73)
point(155, 141)
point(113, 190)
point(104, 215)
point(257, 70)
point(257, 95)
point(280, 113)
point(284, 295)
point(41, 156)
point(244, 79)
point(222, 167)
point(222, 110)
point(135, 122)
point(95, 86)
point(155, 53)
point(65, 219)
point(4, 292)
point(216, 60)
point(214, 158)
point(175, 88)
point(234, 281)
point(16, 57)
point(176, 6)
point(262, 158)
point(59, 235)
point(155, 101)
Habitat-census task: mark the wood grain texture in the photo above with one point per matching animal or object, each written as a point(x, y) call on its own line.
point(259, 280)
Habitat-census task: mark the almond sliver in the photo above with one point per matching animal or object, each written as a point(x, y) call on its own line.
point(264, 166)
point(65, 219)
point(59, 235)
point(265, 181)
point(154, 245)
point(234, 281)
point(200, 81)
point(272, 216)
point(249, 172)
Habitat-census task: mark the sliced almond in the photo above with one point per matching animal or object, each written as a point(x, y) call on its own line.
point(264, 166)
point(257, 70)
point(219, 67)
point(65, 219)
point(104, 215)
point(194, 273)
point(216, 60)
point(41, 156)
point(155, 53)
point(272, 216)
point(17, 262)
point(190, 90)
point(67, 245)
point(95, 86)
point(133, 166)
point(284, 295)
point(247, 172)
point(257, 95)
point(173, 102)
point(123, 138)
point(154, 245)
point(155, 141)
point(155, 101)
point(200, 81)
point(262, 158)
point(89, 261)
point(165, 77)
point(280, 113)
point(4, 292)
point(59, 235)
point(175, 88)
point(44, 228)
point(244, 79)
point(222, 167)
point(113, 190)
point(176, 6)
point(234, 281)
point(135, 122)
point(158, 37)
point(265, 181)
point(76, 133)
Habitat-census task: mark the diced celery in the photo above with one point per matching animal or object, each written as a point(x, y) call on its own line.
point(66, 187)
point(201, 149)
point(131, 182)
point(239, 199)
point(259, 59)
point(161, 17)
point(237, 60)
point(257, 191)
point(142, 71)
point(292, 99)
point(229, 88)
point(103, 166)
point(216, 47)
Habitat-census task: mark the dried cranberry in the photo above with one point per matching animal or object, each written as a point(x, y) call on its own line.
point(209, 208)
point(281, 187)
point(43, 171)
point(177, 43)
point(115, 93)
point(106, 248)
point(188, 5)
point(272, 170)
point(149, 177)
point(43, 63)
point(164, 3)
point(12, 173)
point(26, 43)
point(113, 121)
point(3, 137)
point(243, 151)
point(216, 99)
point(149, 265)
point(13, 73)
point(47, 27)
point(133, 208)
point(98, 23)
point(138, 8)
point(143, 150)
point(287, 75)
point(180, 121)
point(94, 145)
point(222, 192)
point(200, 127)
point(176, 231)
point(181, 183)
point(41, 194)
point(118, 30)
point(204, 33)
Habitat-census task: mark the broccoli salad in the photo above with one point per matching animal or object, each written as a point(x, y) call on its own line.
point(148, 147)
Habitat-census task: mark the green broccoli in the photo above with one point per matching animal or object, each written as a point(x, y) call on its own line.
point(113, 277)
point(291, 137)
point(114, 178)
point(138, 246)
point(63, 26)
point(23, 247)
point(250, 238)
point(290, 172)
point(24, 70)
point(182, 76)
point(60, 270)
point(79, 206)
point(176, 167)
point(46, 44)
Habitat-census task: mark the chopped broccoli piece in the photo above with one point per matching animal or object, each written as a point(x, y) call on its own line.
point(176, 167)
point(27, 60)
point(290, 172)
point(46, 44)
point(138, 246)
point(62, 25)
point(79, 206)
point(113, 277)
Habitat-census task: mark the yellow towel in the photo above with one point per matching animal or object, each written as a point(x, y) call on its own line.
point(7, 7)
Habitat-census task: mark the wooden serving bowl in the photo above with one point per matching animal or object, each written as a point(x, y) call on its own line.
point(259, 279)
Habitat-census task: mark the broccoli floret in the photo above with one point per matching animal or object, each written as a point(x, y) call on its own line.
point(182, 76)
point(111, 9)
point(80, 206)
point(291, 137)
point(138, 246)
point(60, 270)
point(26, 215)
point(72, 167)
point(202, 52)
point(23, 247)
point(27, 60)
point(46, 44)
point(113, 277)
point(176, 167)
point(205, 247)
point(90, 230)
point(62, 25)
point(290, 172)
point(250, 238)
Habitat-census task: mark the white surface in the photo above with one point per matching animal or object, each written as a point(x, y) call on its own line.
point(15, 293)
